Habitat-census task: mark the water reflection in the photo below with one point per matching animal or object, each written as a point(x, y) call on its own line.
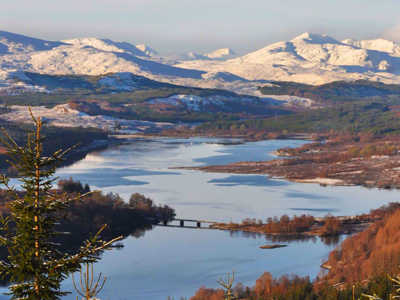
point(249, 180)
point(326, 240)
point(140, 232)
point(331, 240)
point(108, 177)
point(311, 196)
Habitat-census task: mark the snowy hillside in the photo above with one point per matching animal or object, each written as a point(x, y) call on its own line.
point(311, 58)
point(64, 116)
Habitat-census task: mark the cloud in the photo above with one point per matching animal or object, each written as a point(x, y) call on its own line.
point(393, 33)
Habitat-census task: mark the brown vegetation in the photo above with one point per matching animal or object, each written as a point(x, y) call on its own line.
point(266, 287)
point(208, 294)
point(366, 254)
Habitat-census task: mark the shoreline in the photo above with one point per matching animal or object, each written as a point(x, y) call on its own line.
point(338, 163)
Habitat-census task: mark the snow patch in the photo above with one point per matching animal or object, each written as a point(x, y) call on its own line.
point(192, 103)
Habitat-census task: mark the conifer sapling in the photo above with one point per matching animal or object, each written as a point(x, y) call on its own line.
point(35, 264)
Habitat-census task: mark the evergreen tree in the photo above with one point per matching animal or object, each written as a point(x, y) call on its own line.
point(34, 265)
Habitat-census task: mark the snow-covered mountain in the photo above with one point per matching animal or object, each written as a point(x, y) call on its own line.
point(89, 56)
point(312, 58)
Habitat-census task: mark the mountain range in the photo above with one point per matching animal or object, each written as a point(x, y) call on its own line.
point(308, 58)
point(313, 59)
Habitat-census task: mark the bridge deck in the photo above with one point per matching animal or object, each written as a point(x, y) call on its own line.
point(190, 227)
point(195, 221)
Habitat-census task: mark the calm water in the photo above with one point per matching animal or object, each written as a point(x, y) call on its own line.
point(176, 262)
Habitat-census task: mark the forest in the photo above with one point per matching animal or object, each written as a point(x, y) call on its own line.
point(365, 116)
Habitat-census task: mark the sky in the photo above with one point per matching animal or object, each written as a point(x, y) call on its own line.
point(177, 26)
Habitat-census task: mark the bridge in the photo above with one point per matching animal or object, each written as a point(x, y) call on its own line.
point(194, 224)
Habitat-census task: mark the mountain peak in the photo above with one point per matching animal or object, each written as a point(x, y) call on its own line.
point(315, 38)
point(106, 45)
